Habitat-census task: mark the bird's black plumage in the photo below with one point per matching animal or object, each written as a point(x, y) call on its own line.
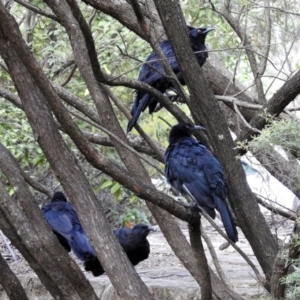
point(192, 170)
point(64, 222)
point(134, 242)
point(152, 72)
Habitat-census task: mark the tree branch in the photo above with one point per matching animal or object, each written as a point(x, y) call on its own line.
point(10, 282)
point(73, 274)
point(285, 95)
point(35, 95)
point(245, 41)
point(205, 109)
point(37, 10)
point(198, 249)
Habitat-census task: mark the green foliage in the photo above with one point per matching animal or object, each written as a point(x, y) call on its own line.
point(280, 137)
point(129, 209)
point(16, 135)
point(118, 191)
point(285, 134)
point(115, 188)
point(292, 281)
point(133, 216)
point(120, 52)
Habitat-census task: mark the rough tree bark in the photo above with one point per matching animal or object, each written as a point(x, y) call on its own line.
point(18, 229)
point(106, 113)
point(129, 286)
point(241, 199)
point(49, 242)
point(219, 78)
point(10, 282)
point(205, 108)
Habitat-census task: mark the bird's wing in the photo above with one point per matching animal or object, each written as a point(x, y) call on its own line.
point(153, 70)
point(193, 170)
point(190, 166)
point(136, 248)
point(122, 235)
point(59, 217)
point(64, 221)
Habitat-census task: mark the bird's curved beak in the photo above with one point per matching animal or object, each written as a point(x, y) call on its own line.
point(208, 30)
point(151, 228)
point(198, 127)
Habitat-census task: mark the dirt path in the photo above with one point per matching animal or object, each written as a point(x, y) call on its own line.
point(163, 269)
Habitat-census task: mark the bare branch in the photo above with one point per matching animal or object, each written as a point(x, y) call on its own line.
point(267, 39)
point(10, 282)
point(15, 100)
point(69, 77)
point(140, 17)
point(148, 140)
point(245, 40)
point(256, 4)
point(35, 184)
point(236, 109)
point(276, 210)
point(232, 99)
point(38, 10)
point(213, 255)
point(238, 249)
point(111, 134)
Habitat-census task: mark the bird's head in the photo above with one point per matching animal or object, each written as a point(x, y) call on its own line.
point(142, 230)
point(198, 32)
point(59, 197)
point(183, 130)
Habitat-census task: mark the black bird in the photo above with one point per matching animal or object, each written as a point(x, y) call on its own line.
point(64, 222)
point(152, 72)
point(192, 170)
point(134, 242)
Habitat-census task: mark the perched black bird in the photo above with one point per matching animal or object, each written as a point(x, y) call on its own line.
point(192, 170)
point(134, 242)
point(152, 72)
point(63, 220)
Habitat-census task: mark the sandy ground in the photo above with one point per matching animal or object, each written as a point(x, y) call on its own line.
point(162, 263)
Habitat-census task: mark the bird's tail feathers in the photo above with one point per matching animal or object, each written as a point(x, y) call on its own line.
point(137, 110)
point(81, 246)
point(93, 265)
point(227, 219)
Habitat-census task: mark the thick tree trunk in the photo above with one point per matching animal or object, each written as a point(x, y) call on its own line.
point(129, 286)
point(18, 229)
point(10, 282)
point(220, 82)
point(205, 108)
point(48, 241)
point(107, 116)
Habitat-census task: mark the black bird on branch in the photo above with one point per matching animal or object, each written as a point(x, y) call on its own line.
point(64, 222)
point(153, 72)
point(192, 170)
point(134, 242)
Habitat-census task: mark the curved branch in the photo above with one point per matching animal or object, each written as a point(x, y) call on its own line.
point(267, 39)
point(10, 282)
point(37, 10)
point(245, 40)
point(238, 249)
point(214, 70)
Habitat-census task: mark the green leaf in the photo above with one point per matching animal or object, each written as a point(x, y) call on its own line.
point(106, 184)
point(115, 188)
